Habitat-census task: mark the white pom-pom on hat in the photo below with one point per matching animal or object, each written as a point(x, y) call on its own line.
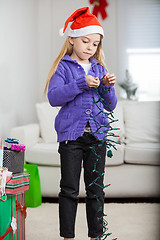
point(61, 33)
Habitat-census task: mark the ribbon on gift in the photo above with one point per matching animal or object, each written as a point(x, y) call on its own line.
point(12, 140)
point(17, 147)
point(8, 231)
point(12, 227)
point(21, 208)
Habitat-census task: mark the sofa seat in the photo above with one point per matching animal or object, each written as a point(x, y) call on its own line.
point(127, 180)
point(47, 155)
point(142, 153)
point(43, 154)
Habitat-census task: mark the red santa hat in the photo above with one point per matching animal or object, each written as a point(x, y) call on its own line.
point(83, 23)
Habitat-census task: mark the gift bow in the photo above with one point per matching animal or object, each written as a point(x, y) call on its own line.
point(21, 208)
point(99, 7)
point(12, 140)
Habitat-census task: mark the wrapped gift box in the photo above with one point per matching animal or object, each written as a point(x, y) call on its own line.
point(13, 160)
point(7, 214)
point(18, 147)
point(12, 207)
point(20, 216)
point(18, 183)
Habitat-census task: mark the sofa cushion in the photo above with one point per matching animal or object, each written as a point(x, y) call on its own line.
point(117, 158)
point(43, 154)
point(46, 116)
point(118, 115)
point(47, 154)
point(142, 121)
point(142, 153)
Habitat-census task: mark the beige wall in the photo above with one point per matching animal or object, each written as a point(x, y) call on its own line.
point(18, 63)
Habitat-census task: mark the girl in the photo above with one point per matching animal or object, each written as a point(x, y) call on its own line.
point(71, 84)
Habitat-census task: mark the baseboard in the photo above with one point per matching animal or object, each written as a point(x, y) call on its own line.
point(109, 200)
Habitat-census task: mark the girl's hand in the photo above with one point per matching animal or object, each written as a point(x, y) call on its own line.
point(92, 82)
point(109, 79)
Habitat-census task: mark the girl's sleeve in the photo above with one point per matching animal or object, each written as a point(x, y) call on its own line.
point(108, 94)
point(61, 91)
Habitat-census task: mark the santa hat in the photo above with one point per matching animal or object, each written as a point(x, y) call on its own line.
point(83, 23)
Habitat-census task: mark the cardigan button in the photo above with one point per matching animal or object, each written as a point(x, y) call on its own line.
point(88, 111)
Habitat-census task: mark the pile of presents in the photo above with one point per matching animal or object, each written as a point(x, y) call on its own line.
point(14, 182)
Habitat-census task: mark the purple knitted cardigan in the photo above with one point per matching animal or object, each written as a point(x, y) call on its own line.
point(68, 88)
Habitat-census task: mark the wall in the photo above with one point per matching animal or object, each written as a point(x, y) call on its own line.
point(18, 63)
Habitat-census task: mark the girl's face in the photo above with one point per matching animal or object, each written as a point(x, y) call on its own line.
point(84, 47)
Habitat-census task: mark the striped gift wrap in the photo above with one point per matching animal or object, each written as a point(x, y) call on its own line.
point(20, 216)
point(18, 183)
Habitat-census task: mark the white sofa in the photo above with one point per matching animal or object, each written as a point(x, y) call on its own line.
point(134, 169)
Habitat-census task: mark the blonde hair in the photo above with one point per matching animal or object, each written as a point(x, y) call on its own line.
point(68, 49)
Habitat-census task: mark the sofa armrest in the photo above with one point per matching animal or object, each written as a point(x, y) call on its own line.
point(27, 134)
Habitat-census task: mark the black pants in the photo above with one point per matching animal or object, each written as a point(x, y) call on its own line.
point(72, 154)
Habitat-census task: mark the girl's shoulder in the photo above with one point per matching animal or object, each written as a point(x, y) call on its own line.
point(66, 65)
point(65, 61)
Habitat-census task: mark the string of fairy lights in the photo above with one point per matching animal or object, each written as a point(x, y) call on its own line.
point(109, 132)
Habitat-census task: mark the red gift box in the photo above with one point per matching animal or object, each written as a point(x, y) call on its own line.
point(18, 183)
